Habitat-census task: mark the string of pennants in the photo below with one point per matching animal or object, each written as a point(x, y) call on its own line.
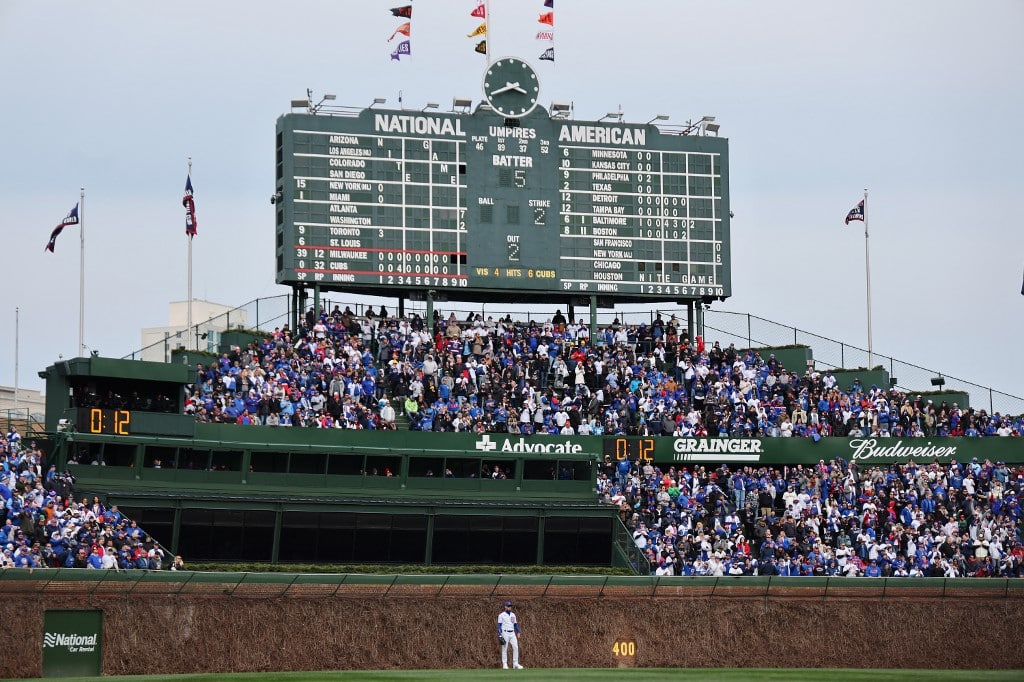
point(479, 12)
point(546, 33)
point(405, 29)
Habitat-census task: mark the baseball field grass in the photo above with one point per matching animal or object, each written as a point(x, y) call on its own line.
point(595, 674)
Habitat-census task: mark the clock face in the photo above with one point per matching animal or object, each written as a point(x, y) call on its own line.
point(511, 87)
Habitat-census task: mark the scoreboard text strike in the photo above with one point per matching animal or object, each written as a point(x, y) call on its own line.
point(476, 205)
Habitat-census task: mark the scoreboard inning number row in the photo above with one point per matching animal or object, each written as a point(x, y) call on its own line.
point(397, 200)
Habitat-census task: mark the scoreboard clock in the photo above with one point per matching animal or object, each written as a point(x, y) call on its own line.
point(511, 87)
point(104, 421)
point(504, 203)
point(629, 448)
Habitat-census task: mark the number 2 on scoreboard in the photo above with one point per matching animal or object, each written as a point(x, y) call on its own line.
point(513, 251)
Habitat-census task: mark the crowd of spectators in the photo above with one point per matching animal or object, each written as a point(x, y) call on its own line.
point(338, 370)
point(45, 527)
point(832, 519)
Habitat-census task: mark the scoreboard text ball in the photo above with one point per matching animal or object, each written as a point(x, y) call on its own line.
point(477, 205)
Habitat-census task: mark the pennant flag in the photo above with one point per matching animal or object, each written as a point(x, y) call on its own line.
point(546, 35)
point(480, 30)
point(404, 29)
point(549, 3)
point(481, 47)
point(549, 54)
point(856, 213)
point(547, 18)
point(402, 11)
point(403, 48)
point(191, 226)
point(71, 219)
point(480, 12)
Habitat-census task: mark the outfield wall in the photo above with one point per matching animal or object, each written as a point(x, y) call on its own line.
point(193, 623)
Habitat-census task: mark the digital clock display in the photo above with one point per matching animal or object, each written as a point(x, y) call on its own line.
point(104, 421)
point(629, 448)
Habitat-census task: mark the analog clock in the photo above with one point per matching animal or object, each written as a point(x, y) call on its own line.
point(511, 87)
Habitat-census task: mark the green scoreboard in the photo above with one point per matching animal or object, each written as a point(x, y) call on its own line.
point(480, 206)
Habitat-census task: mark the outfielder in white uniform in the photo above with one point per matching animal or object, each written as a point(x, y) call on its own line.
point(508, 633)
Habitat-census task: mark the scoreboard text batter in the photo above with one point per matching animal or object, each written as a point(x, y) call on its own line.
point(399, 200)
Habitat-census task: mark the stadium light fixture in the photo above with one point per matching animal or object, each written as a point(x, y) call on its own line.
point(711, 128)
point(377, 100)
point(561, 109)
point(462, 104)
point(315, 108)
point(430, 105)
point(617, 115)
point(300, 104)
point(659, 117)
point(938, 381)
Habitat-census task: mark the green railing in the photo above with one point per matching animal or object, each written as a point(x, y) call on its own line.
point(625, 552)
point(23, 419)
point(97, 583)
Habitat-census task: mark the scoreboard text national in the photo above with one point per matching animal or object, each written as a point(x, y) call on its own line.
point(486, 207)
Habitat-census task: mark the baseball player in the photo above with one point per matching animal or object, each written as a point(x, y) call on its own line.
point(508, 633)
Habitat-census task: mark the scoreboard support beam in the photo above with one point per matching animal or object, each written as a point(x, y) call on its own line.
point(593, 319)
point(690, 328)
point(430, 313)
point(316, 301)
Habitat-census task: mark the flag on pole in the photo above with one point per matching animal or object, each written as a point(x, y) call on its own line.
point(856, 213)
point(548, 36)
point(403, 48)
point(547, 18)
point(549, 3)
point(480, 12)
point(479, 30)
point(405, 11)
point(71, 219)
point(548, 54)
point(404, 29)
point(481, 47)
point(191, 226)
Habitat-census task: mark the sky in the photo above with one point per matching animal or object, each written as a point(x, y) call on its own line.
point(918, 101)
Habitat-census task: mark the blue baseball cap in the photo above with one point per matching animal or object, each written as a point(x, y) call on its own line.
point(508, 603)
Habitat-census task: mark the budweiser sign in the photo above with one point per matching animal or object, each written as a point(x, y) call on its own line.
point(869, 448)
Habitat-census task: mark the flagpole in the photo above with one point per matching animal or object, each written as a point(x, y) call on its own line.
point(488, 32)
point(188, 329)
point(867, 275)
point(81, 274)
point(17, 325)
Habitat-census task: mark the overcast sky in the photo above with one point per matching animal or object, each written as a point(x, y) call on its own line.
point(919, 101)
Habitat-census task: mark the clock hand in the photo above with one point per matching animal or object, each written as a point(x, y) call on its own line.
point(519, 89)
point(508, 86)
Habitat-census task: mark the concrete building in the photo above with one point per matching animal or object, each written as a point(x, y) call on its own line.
point(208, 321)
